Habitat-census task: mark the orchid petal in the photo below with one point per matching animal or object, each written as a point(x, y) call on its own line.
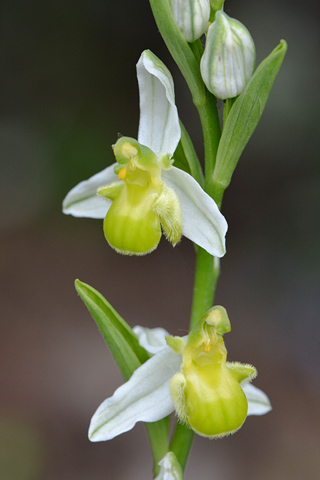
point(145, 397)
point(83, 201)
point(152, 339)
point(258, 402)
point(159, 127)
point(202, 221)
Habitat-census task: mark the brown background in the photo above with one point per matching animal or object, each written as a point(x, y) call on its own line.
point(68, 87)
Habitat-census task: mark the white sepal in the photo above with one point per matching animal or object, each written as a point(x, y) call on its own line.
point(83, 200)
point(192, 17)
point(145, 397)
point(202, 221)
point(258, 402)
point(151, 339)
point(159, 127)
point(170, 469)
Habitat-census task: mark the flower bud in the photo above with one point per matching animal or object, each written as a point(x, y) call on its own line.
point(170, 468)
point(229, 57)
point(192, 17)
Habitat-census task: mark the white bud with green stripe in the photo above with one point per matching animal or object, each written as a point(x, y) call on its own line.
point(229, 57)
point(192, 17)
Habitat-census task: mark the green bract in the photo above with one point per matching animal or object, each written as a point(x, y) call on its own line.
point(192, 17)
point(244, 116)
point(229, 57)
point(206, 392)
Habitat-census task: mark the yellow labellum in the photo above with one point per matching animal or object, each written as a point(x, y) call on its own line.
point(142, 205)
point(206, 393)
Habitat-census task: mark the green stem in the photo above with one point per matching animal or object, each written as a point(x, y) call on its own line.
point(206, 277)
point(158, 433)
point(191, 156)
point(181, 443)
point(197, 49)
point(218, 191)
point(207, 269)
point(211, 135)
point(187, 57)
point(227, 105)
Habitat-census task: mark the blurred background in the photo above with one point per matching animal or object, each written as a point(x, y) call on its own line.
point(68, 87)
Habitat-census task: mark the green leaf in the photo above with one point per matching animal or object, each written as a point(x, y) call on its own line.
point(119, 337)
point(127, 353)
point(245, 115)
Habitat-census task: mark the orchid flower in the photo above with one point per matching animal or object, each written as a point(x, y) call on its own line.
point(187, 374)
point(143, 194)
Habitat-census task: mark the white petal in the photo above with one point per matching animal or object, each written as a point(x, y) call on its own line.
point(202, 222)
point(152, 339)
point(145, 397)
point(83, 201)
point(159, 127)
point(258, 402)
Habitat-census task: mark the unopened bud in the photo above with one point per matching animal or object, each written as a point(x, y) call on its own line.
point(229, 57)
point(170, 468)
point(192, 17)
